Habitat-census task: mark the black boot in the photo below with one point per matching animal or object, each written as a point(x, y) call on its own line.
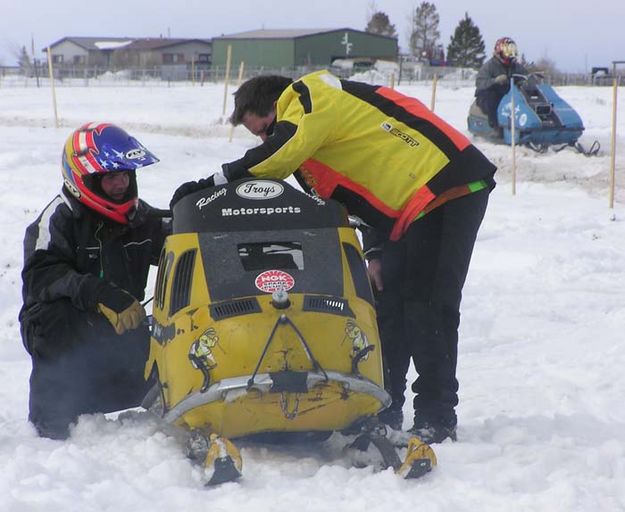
point(392, 417)
point(433, 431)
point(57, 429)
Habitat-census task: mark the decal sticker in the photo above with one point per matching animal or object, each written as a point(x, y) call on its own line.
point(72, 189)
point(274, 280)
point(396, 132)
point(202, 357)
point(209, 199)
point(234, 212)
point(358, 338)
point(135, 153)
point(523, 119)
point(259, 190)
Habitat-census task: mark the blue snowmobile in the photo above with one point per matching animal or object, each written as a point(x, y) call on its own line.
point(542, 118)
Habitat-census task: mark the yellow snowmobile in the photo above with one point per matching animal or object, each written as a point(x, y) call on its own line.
point(264, 323)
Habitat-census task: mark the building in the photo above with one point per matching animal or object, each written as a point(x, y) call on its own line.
point(291, 48)
point(129, 52)
point(85, 51)
point(147, 52)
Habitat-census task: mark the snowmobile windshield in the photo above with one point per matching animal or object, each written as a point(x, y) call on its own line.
point(270, 255)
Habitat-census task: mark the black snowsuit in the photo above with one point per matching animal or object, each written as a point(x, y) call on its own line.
point(488, 93)
point(79, 364)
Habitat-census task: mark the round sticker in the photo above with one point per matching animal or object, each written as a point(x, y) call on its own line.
point(274, 280)
point(259, 189)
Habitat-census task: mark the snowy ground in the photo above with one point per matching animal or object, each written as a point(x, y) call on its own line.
point(542, 421)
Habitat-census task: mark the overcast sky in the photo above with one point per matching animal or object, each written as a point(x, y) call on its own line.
point(575, 34)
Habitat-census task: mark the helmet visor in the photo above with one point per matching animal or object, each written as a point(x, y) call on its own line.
point(509, 50)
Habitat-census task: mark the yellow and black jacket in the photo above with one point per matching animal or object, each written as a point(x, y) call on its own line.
point(384, 155)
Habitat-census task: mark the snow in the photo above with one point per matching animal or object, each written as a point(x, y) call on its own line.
point(541, 415)
point(111, 45)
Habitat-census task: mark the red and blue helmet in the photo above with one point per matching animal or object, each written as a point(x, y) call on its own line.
point(98, 148)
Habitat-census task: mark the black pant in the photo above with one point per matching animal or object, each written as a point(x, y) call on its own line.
point(80, 366)
point(488, 100)
point(419, 308)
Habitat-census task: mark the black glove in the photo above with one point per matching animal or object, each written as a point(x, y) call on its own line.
point(189, 187)
point(501, 79)
point(121, 309)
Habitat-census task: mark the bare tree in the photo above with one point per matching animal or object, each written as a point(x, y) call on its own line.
point(544, 65)
point(424, 32)
point(372, 8)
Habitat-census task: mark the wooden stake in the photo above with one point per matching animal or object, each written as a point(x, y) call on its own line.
point(227, 77)
point(51, 74)
point(613, 143)
point(513, 136)
point(433, 101)
point(239, 80)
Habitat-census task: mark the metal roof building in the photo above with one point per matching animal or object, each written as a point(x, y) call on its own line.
point(290, 48)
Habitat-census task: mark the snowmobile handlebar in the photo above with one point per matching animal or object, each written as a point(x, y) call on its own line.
point(160, 213)
point(529, 78)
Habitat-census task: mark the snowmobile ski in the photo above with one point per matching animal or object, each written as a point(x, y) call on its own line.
point(218, 455)
point(419, 460)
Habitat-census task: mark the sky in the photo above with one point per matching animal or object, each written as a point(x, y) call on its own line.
point(575, 35)
point(541, 352)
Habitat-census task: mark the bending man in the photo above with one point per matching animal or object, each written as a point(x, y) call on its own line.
point(406, 172)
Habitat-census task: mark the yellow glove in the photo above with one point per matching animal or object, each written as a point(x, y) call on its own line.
point(120, 308)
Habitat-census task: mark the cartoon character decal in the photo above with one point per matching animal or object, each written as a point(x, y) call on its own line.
point(358, 338)
point(202, 357)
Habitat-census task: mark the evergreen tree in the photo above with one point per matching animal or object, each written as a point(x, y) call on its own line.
point(466, 47)
point(379, 23)
point(424, 31)
point(23, 61)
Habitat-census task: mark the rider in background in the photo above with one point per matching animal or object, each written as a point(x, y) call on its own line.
point(493, 79)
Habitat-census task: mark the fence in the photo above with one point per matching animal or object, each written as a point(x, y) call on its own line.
point(169, 76)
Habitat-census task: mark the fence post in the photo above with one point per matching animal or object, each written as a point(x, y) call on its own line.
point(613, 141)
point(51, 73)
